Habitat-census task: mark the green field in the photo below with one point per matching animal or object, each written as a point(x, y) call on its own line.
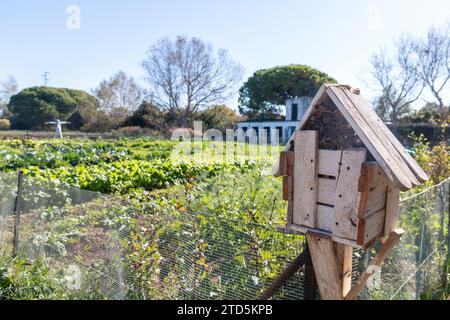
point(234, 207)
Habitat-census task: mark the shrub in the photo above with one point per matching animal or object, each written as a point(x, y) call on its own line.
point(133, 131)
point(4, 124)
point(434, 160)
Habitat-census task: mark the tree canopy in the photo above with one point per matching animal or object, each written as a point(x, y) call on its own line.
point(147, 115)
point(187, 75)
point(267, 89)
point(120, 91)
point(32, 107)
point(218, 117)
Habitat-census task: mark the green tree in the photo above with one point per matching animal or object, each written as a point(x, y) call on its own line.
point(147, 115)
point(88, 115)
point(218, 117)
point(32, 107)
point(267, 89)
point(431, 114)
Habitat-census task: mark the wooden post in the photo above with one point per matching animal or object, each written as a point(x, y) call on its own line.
point(332, 264)
point(17, 211)
point(290, 270)
point(376, 262)
point(344, 254)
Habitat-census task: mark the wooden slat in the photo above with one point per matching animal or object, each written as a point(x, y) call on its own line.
point(326, 267)
point(346, 199)
point(379, 132)
point(370, 140)
point(285, 189)
point(371, 227)
point(303, 230)
point(392, 207)
point(376, 262)
point(305, 177)
point(326, 190)
point(283, 165)
point(376, 200)
point(290, 214)
point(373, 188)
point(329, 162)
point(325, 218)
point(344, 257)
point(290, 163)
point(381, 128)
point(288, 191)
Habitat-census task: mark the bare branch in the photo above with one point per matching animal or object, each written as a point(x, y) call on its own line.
point(187, 75)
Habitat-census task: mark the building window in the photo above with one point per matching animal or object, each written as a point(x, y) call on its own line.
point(294, 111)
point(291, 130)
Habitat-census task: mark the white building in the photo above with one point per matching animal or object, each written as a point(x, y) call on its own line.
point(295, 109)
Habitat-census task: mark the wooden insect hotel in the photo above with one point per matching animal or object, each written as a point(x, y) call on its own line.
point(343, 171)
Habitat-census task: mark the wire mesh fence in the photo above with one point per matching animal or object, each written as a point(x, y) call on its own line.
point(107, 247)
point(417, 265)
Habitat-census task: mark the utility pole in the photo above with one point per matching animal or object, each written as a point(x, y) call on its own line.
point(45, 77)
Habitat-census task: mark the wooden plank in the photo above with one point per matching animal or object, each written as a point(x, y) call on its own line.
point(346, 199)
point(326, 190)
point(290, 163)
point(285, 189)
point(329, 162)
point(379, 132)
point(288, 192)
point(371, 227)
point(392, 209)
point(376, 262)
point(373, 187)
point(303, 230)
point(290, 209)
point(370, 140)
point(286, 164)
point(376, 200)
point(283, 165)
point(381, 128)
point(325, 218)
point(326, 267)
point(305, 177)
point(344, 256)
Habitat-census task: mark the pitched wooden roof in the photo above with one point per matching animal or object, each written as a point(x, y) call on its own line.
point(397, 163)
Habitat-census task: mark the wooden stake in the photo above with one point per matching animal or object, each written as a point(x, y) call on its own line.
point(344, 254)
point(376, 262)
point(327, 266)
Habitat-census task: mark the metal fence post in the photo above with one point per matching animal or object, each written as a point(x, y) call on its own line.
point(17, 211)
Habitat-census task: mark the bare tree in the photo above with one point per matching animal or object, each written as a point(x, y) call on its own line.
point(397, 78)
point(120, 94)
point(434, 57)
point(8, 88)
point(187, 75)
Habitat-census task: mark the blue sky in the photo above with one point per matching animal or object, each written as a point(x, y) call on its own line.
point(337, 37)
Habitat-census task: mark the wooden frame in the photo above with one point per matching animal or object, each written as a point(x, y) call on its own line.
point(335, 194)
